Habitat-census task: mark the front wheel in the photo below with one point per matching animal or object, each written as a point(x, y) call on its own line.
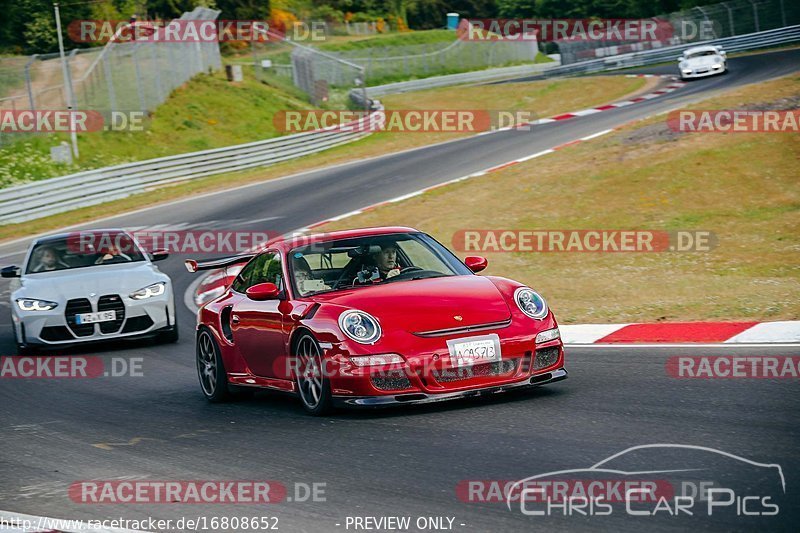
point(210, 369)
point(313, 386)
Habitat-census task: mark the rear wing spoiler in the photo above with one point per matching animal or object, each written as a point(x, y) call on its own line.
point(193, 265)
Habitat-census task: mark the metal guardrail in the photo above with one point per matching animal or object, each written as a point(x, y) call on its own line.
point(739, 43)
point(463, 77)
point(56, 195)
point(35, 200)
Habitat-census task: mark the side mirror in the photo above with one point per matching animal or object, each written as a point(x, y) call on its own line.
point(476, 263)
point(723, 53)
point(263, 291)
point(10, 272)
point(159, 255)
point(680, 59)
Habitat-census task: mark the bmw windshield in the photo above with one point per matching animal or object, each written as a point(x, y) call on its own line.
point(81, 250)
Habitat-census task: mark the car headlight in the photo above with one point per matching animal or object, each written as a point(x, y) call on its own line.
point(530, 303)
point(156, 289)
point(360, 326)
point(377, 360)
point(716, 65)
point(32, 304)
point(548, 335)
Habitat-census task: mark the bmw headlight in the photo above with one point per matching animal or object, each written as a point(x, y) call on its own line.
point(32, 304)
point(156, 289)
point(360, 326)
point(530, 303)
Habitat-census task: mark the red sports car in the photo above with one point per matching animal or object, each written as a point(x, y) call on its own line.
point(372, 317)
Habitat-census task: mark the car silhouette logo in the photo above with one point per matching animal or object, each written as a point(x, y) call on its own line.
point(459, 317)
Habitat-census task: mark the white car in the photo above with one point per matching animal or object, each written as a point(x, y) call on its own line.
point(89, 286)
point(702, 61)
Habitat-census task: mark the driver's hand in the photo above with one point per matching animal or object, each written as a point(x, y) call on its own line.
point(392, 273)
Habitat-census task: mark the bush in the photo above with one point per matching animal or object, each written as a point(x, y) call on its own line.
point(327, 13)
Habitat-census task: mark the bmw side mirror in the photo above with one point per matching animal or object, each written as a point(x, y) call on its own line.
point(476, 263)
point(10, 272)
point(263, 291)
point(158, 255)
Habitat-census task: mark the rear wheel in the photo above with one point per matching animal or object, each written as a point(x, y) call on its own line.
point(313, 386)
point(210, 369)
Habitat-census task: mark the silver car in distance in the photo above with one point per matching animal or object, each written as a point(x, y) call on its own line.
point(702, 61)
point(89, 286)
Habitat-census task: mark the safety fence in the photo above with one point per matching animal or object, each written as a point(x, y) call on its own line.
point(57, 195)
point(120, 76)
point(700, 23)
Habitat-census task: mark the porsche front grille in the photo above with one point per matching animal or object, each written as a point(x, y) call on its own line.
point(395, 380)
point(545, 357)
point(498, 368)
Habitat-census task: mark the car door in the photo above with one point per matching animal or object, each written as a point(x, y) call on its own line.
point(258, 326)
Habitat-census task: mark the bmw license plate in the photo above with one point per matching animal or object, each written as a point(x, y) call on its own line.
point(91, 318)
point(474, 350)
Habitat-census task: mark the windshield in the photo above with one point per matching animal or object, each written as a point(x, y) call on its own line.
point(704, 53)
point(367, 261)
point(82, 250)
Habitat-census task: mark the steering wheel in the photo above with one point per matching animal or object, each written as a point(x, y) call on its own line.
point(340, 280)
point(410, 269)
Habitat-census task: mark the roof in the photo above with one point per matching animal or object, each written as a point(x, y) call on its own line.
point(290, 241)
point(702, 48)
point(72, 234)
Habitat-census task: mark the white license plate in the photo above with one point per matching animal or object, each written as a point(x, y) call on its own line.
point(91, 318)
point(474, 350)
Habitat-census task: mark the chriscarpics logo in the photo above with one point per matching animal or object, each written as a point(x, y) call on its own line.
point(680, 481)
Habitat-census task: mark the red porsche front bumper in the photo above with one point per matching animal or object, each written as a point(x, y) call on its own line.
point(427, 373)
point(402, 398)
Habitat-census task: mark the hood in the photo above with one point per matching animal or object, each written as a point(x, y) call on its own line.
point(62, 285)
point(426, 304)
point(702, 61)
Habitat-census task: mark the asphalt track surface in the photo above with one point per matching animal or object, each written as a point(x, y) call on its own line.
point(399, 462)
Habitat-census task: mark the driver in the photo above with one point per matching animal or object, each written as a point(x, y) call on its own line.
point(386, 260)
point(49, 260)
point(112, 254)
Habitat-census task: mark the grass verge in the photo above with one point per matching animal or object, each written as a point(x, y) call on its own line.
point(542, 97)
point(207, 112)
point(743, 187)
